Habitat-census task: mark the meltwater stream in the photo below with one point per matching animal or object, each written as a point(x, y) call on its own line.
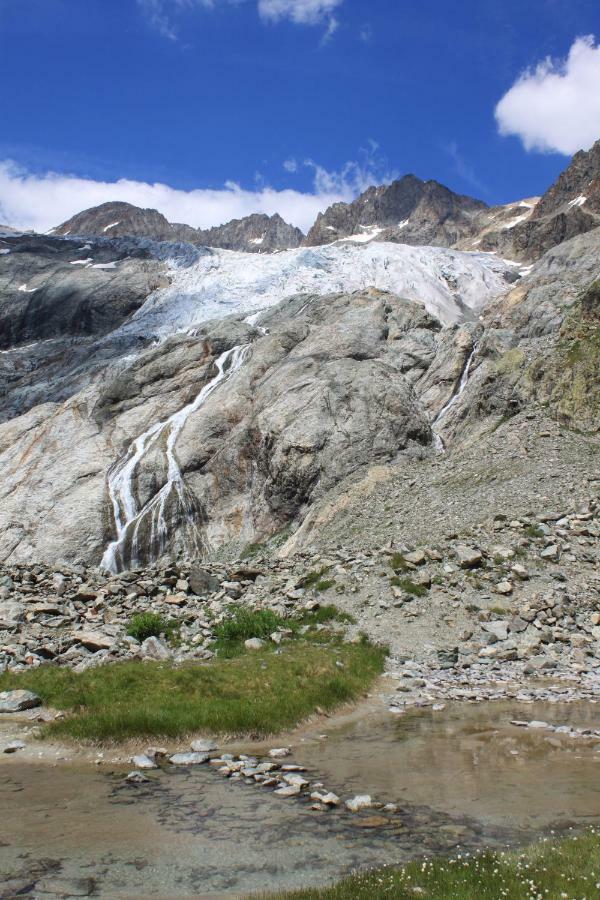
point(174, 502)
point(464, 378)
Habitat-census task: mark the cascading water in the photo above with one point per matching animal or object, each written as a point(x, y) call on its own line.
point(464, 378)
point(173, 503)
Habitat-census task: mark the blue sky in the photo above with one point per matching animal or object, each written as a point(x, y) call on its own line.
point(308, 97)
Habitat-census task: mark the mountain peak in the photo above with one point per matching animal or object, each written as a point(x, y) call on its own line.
point(408, 211)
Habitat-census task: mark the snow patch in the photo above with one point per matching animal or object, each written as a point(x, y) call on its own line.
point(515, 222)
point(578, 201)
point(365, 236)
point(112, 225)
point(82, 262)
point(25, 290)
point(4, 252)
point(109, 265)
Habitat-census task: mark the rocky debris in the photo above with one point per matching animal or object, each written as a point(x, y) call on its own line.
point(568, 730)
point(431, 608)
point(17, 701)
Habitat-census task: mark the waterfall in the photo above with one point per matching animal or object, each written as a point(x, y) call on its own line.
point(174, 501)
point(464, 378)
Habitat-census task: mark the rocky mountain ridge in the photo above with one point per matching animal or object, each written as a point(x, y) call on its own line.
point(253, 234)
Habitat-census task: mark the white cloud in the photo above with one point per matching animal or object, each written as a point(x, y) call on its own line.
point(291, 165)
point(161, 14)
point(41, 201)
point(302, 12)
point(556, 106)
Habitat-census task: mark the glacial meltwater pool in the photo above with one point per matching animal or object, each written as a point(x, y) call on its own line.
point(459, 776)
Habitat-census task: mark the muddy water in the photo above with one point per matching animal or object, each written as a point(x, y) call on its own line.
point(462, 775)
point(470, 761)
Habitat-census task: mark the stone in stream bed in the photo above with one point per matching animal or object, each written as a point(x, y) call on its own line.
point(17, 701)
point(296, 780)
point(14, 746)
point(137, 778)
point(326, 799)
point(361, 801)
point(373, 822)
point(189, 759)
point(143, 762)
point(280, 752)
point(289, 791)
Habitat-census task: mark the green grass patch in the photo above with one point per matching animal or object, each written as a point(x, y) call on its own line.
point(533, 531)
point(417, 590)
point(568, 868)
point(314, 579)
point(324, 584)
point(399, 563)
point(145, 625)
point(256, 694)
point(243, 623)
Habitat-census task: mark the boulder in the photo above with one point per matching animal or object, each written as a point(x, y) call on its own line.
point(469, 557)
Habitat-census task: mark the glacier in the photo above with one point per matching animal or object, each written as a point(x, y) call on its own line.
point(453, 285)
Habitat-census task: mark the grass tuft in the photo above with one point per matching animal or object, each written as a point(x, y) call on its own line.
point(417, 590)
point(399, 563)
point(145, 625)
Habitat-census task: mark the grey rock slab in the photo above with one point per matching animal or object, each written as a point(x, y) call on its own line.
point(17, 701)
point(189, 759)
point(498, 629)
point(13, 747)
point(143, 762)
point(289, 790)
point(153, 648)
point(94, 640)
point(254, 644)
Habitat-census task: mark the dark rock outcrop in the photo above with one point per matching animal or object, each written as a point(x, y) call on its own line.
point(253, 234)
point(408, 211)
point(571, 206)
